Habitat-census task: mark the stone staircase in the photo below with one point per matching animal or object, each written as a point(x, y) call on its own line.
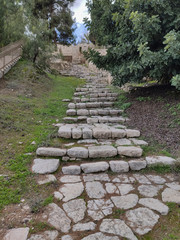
point(100, 136)
point(99, 194)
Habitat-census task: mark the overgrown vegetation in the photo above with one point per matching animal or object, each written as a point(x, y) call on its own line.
point(30, 103)
point(143, 39)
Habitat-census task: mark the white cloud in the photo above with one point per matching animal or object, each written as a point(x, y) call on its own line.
point(80, 10)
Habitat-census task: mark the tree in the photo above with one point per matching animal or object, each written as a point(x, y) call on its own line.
point(48, 21)
point(143, 38)
point(85, 38)
point(59, 18)
point(12, 24)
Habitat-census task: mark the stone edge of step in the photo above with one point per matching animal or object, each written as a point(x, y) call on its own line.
point(116, 166)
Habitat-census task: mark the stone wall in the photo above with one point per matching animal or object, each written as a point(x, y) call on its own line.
point(74, 54)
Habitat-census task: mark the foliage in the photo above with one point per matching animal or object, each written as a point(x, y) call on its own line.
point(39, 23)
point(49, 21)
point(27, 119)
point(175, 81)
point(12, 23)
point(59, 18)
point(143, 39)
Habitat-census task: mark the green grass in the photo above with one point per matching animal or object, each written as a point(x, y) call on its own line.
point(122, 101)
point(156, 149)
point(27, 119)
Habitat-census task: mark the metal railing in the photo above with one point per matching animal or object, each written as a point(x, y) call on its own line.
point(9, 55)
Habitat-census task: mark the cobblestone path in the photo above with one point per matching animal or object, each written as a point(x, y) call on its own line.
point(100, 194)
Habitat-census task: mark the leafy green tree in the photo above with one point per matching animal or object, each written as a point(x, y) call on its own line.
point(143, 39)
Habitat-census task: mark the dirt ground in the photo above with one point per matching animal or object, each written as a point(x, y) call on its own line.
point(155, 111)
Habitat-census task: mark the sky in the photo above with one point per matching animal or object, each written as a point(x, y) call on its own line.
point(80, 11)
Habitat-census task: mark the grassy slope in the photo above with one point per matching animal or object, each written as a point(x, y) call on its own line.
point(30, 103)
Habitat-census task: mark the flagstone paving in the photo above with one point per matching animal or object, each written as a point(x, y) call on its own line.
point(100, 195)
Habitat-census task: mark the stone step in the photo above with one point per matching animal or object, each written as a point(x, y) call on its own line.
point(94, 112)
point(97, 131)
point(106, 119)
point(97, 99)
point(95, 94)
point(96, 119)
point(91, 152)
point(90, 105)
point(118, 166)
point(91, 88)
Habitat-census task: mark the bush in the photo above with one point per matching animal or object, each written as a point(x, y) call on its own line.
point(143, 39)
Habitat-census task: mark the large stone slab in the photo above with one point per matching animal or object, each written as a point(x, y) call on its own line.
point(75, 209)
point(95, 189)
point(141, 220)
point(71, 112)
point(88, 141)
point(111, 188)
point(103, 177)
point(17, 234)
point(64, 132)
point(99, 208)
point(141, 179)
point(131, 133)
point(171, 195)
point(57, 218)
point(160, 160)
point(125, 202)
point(51, 152)
point(99, 236)
point(77, 152)
point(43, 166)
point(47, 179)
point(94, 167)
point(80, 105)
point(137, 165)
point(66, 237)
point(130, 151)
point(72, 105)
point(148, 190)
point(76, 133)
point(118, 133)
point(71, 191)
point(102, 151)
point(117, 227)
point(47, 235)
point(123, 142)
point(87, 133)
point(156, 179)
point(89, 226)
point(119, 166)
point(70, 179)
point(139, 142)
point(154, 204)
point(82, 112)
point(92, 120)
point(101, 132)
point(125, 188)
point(71, 170)
point(174, 185)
